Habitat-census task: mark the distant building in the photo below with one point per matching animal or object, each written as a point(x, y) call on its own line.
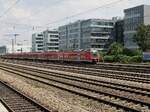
point(37, 42)
point(63, 37)
point(86, 34)
point(134, 17)
point(3, 50)
point(51, 40)
point(118, 32)
point(70, 36)
point(45, 41)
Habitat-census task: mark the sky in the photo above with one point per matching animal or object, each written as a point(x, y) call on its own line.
point(33, 16)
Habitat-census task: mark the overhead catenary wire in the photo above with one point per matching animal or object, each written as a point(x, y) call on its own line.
point(84, 12)
point(7, 10)
point(74, 15)
point(42, 10)
point(78, 14)
point(37, 12)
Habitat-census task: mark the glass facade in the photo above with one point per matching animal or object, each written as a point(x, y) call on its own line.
point(96, 33)
point(134, 17)
point(86, 34)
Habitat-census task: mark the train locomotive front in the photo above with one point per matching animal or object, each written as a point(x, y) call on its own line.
point(95, 56)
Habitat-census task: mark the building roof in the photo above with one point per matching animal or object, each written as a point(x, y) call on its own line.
point(135, 7)
point(84, 20)
point(51, 31)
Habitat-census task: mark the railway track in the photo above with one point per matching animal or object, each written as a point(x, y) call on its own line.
point(106, 66)
point(139, 68)
point(96, 82)
point(16, 101)
point(122, 75)
point(125, 67)
point(127, 98)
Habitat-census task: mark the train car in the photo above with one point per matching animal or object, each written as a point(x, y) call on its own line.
point(146, 56)
point(69, 56)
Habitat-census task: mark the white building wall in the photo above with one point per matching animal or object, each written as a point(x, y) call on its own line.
point(51, 40)
point(37, 42)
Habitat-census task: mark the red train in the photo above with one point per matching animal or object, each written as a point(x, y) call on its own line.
point(71, 56)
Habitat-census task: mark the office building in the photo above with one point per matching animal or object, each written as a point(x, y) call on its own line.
point(63, 38)
point(118, 32)
point(51, 40)
point(45, 41)
point(37, 42)
point(134, 17)
point(86, 34)
point(3, 50)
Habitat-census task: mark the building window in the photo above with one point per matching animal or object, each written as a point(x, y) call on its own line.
point(39, 42)
point(99, 34)
point(40, 45)
point(39, 38)
point(54, 40)
point(52, 44)
point(54, 36)
point(39, 49)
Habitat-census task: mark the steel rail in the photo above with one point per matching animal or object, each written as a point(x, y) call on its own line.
point(95, 91)
point(109, 74)
point(12, 106)
point(95, 82)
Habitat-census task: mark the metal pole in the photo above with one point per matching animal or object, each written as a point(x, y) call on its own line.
point(12, 45)
point(15, 39)
point(21, 50)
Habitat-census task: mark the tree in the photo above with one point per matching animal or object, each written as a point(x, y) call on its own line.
point(142, 37)
point(116, 48)
point(129, 52)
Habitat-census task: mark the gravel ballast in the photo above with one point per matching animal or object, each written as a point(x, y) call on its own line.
point(52, 97)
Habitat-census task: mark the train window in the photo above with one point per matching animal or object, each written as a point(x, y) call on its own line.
point(94, 53)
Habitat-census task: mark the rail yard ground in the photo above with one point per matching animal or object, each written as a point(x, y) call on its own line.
point(86, 88)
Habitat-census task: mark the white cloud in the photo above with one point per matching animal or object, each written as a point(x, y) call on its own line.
point(19, 13)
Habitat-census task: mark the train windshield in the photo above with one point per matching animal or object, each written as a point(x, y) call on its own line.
point(94, 53)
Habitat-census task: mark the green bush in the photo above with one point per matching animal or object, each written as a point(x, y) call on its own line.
point(116, 48)
point(125, 59)
point(138, 52)
point(128, 52)
point(109, 58)
point(102, 54)
point(122, 59)
point(136, 59)
point(117, 58)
